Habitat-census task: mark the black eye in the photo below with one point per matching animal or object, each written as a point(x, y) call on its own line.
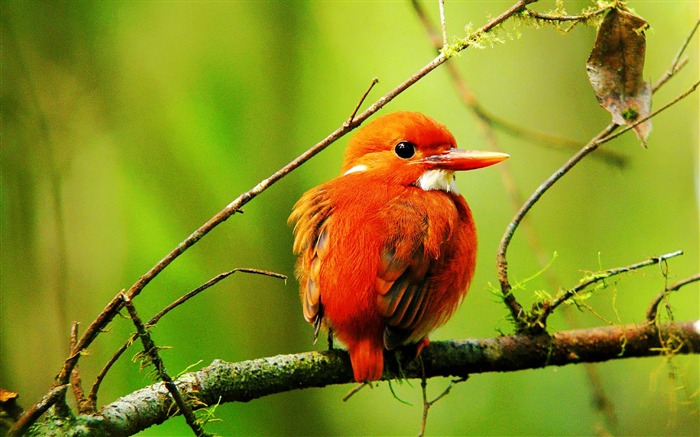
point(405, 149)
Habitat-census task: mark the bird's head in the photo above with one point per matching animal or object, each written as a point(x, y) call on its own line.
point(410, 148)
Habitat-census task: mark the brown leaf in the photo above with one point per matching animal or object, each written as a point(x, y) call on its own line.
point(7, 395)
point(10, 411)
point(615, 70)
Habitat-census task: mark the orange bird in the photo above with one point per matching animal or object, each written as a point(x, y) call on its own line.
point(387, 249)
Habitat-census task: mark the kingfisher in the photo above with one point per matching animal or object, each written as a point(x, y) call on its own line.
point(387, 250)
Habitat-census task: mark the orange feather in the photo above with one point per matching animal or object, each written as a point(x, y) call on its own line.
point(387, 250)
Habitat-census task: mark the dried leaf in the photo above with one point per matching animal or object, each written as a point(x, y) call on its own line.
point(9, 408)
point(615, 70)
point(7, 395)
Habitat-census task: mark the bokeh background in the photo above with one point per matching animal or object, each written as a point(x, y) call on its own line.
point(126, 125)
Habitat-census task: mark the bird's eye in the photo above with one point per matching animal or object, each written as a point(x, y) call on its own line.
point(405, 149)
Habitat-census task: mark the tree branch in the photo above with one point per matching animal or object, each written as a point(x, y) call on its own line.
point(223, 382)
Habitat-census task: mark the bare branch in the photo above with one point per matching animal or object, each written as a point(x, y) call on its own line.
point(76, 382)
point(682, 96)
point(428, 404)
point(443, 22)
point(92, 397)
point(362, 100)
point(654, 307)
point(215, 280)
point(678, 62)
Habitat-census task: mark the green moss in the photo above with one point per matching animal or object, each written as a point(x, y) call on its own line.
point(630, 114)
point(71, 425)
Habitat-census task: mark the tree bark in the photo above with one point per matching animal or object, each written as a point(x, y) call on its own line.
point(222, 382)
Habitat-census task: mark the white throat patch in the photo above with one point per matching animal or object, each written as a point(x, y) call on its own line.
point(438, 180)
point(356, 169)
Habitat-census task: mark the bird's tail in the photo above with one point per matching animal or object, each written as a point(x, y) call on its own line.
point(367, 360)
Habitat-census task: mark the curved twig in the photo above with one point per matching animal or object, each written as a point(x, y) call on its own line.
point(654, 306)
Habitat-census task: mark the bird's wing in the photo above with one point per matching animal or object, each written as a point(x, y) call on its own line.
point(404, 278)
point(310, 215)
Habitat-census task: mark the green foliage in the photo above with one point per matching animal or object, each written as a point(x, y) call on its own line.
point(480, 39)
point(206, 415)
point(188, 368)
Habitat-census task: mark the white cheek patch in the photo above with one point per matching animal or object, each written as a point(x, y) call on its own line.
point(438, 180)
point(356, 169)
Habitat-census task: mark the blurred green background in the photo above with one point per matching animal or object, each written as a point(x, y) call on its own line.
point(126, 125)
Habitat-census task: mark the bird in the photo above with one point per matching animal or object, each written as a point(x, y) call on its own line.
point(387, 250)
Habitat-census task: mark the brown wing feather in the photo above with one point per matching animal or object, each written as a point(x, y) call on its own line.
point(311, 216)
point(403, 279)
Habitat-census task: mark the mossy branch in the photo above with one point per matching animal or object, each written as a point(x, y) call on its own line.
point(222, 382)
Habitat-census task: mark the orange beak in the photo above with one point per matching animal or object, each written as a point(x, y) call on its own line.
point(458, 159)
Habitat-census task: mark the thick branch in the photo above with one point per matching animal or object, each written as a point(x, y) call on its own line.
point(223, 382)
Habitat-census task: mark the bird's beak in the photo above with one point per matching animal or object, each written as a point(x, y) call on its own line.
point(458, 159)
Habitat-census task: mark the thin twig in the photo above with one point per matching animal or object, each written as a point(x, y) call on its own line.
point(55, 395)
point(598, 277)
point(362, 100)
point(426, 404)
point(682, 96)
point(515, 308)
point(92, 397)
point(677, 58)
point(654, 306)
point(353, 391)
point(216, 279)
point(424, 390)
point(106, 316)
point(557, 18)
point(668, 74)
point(76, 381)
point(151, 350)
point(443, 22)
point(678, 61)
